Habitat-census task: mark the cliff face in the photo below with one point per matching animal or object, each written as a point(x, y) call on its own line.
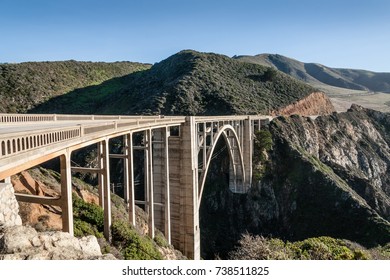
point(355, 145)
point(329, 176)
point(316, 103)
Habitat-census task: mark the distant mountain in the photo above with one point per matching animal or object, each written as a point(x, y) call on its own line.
point(25, 85)
point(188, 83)
point(316, 74)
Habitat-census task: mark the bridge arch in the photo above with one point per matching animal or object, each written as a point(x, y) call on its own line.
point(235, 154)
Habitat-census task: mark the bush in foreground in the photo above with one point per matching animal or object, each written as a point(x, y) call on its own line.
point(316, 248)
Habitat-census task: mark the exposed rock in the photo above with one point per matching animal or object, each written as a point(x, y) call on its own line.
point(317, 103)
point(21, 243)
point(324, 177)
point(9, 207)
point(332, 176)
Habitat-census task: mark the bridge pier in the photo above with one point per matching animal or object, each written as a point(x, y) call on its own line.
point(161, 181)
point(104, 185)
point(149, 182)
point(184, 190)
point(129, 195)
point(247, 150)
point(66, 193)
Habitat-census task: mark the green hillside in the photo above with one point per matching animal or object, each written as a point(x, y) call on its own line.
point(188, 82)
point(25, 85)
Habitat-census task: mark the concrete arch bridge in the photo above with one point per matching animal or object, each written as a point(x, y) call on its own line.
point(177, 153)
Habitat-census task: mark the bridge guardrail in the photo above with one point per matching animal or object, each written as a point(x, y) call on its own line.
point(19, 142)
point(20, 118)
point(16, 142)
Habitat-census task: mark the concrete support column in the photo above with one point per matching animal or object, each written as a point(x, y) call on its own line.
point(175, 188)
point(100, 174)
point(189, 214)
point(129, 176)
point(161, 181)
point(106, 187)
point(66, 194)
point(247, 150)
point(150, 186)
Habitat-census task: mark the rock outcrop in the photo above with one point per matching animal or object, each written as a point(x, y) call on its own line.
point(317, 103)
point(25, 243)
point(9, 207)
point(19, 242)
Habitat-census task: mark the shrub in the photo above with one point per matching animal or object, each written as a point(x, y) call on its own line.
point(82, 228)
point(160, 240)
point(325, 248)
point(88, 218)
point(263, 143)
point(134, 246)
point(317, 248)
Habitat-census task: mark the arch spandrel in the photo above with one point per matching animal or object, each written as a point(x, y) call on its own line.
point(230, 136)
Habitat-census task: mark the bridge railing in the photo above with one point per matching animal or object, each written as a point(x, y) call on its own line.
point(17, 142)
point(21, 118)
point(16, 118)
point(20, 142)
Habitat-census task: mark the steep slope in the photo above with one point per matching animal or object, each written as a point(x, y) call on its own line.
point(315, 73)
point(25, 85)
point(189, 83)
point(324, 177)
point(336, 180)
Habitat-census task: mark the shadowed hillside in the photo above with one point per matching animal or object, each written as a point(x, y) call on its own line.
point(25, 85)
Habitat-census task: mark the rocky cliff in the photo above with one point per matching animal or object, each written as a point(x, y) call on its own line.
point(328, 176)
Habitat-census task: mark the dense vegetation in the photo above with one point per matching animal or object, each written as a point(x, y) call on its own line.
point(133, 245)
point(187, 83)
point(25, 85)
point(88, 218)
point(317, 248)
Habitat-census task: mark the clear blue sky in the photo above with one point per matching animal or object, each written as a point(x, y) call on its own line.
point(352, 34)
